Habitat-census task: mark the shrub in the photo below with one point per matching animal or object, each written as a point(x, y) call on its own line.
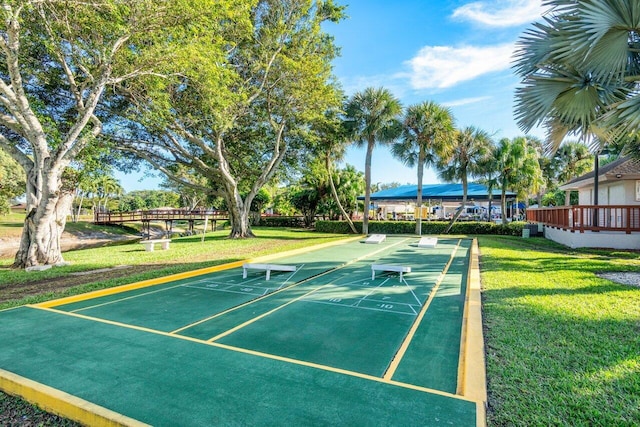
point(428, 227)
point(282, 221)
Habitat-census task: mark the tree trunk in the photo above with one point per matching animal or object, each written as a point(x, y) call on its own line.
point(239, 214)
point(240, 224)
point(503, 204)
point(367, 189)
point(43, 227)
point(419, 193)
point(334, 192)
point(77, 216)
point(455, 217)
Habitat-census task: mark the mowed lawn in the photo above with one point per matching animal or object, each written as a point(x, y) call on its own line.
point(563, 345)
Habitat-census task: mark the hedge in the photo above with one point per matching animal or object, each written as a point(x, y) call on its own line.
point(428, 227)
point(283, 221)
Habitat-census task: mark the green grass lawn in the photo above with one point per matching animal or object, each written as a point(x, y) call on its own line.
point(563, 345)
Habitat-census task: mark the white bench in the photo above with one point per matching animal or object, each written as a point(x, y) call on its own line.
point(384, 267)
point(148, 244)
point(267, 267)
point(376, 238)
point(428, 242)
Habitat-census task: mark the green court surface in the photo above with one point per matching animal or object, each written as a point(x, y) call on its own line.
point(323, 345)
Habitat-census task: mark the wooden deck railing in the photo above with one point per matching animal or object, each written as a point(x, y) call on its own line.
point(159, 215)
point(589, 217)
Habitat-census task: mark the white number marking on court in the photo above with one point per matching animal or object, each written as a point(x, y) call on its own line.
point(386, 306)
point(335, 299)
point(360, 307)
point(246, 289)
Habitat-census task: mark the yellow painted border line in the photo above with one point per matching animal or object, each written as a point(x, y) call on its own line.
point(138, 285)
point(460, 388)
point(63, 404)
point(260, 354)
point(474, 377)
point(395, 362)
point(185, 275)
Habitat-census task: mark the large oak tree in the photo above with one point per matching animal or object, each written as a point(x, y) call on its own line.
point(235, 118)
point(56, 59)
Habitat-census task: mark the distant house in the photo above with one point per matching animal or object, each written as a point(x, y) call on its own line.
point(19, 208)
point(618, 184)
point(612, 222)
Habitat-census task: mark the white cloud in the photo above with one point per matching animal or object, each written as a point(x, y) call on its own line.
point(440, 67)
point(465, 101)
point(501, 13)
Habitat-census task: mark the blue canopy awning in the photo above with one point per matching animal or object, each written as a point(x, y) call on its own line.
point(448, 192)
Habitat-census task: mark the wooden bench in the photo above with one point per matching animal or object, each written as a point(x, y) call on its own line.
point(384, 267)
point(149, 244)
point(428, 242)
point(267, 267)
point(376, 238)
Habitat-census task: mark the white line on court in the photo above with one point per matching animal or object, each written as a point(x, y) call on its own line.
point(353, 307)
point(370, 292)
point(226, 290)
point(125, 298)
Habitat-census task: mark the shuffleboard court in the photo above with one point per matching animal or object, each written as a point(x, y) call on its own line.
point(324, 344)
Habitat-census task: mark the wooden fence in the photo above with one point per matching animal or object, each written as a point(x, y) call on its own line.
point(589, 217)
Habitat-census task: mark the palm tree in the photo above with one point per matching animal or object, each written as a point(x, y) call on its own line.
point(371, 116)
point(427, 137)
point(518, 169)
point(571, 160)
point(106, 187)
point(469, 149)
point(489, 169)
point(578, 70)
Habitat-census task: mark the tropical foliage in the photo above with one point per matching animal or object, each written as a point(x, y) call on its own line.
point(12, 181)
point(580, 71)
point(427, 137)
point(469, 149)
point(372, 117)
point(518, 169)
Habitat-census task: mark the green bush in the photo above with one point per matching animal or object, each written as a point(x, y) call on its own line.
point(428, 227)
point(282, 221)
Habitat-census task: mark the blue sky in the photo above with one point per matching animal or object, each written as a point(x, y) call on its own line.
point(455, 53)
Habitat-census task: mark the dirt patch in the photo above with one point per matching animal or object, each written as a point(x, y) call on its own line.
point(622, 277)
point(37, 287)
point(9, 246)
point(16, 412)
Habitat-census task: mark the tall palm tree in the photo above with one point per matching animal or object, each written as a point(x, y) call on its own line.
point(489, 169)
point(519, 170)
point(427, 137)
point(469, 149)
point(579, 69)
point(106, 187)
point(372, 116)
point(572, 160)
